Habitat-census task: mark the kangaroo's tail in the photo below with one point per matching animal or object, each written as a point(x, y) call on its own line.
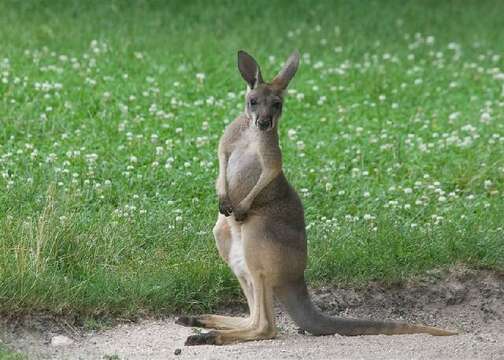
point(296, 299)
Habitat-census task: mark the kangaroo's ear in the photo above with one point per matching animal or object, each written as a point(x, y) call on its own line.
point(288, 71)
point(249, 69)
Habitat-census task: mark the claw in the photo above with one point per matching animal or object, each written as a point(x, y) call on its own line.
point(225, 207)
point(209, 338)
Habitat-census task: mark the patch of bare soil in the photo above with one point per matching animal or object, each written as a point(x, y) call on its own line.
point(471, 302)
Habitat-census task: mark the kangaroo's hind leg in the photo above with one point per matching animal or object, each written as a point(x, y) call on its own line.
point(262, 256)
point(261, 326)
point(227, 235)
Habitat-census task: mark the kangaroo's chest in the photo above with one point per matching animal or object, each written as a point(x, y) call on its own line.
point(243, 170)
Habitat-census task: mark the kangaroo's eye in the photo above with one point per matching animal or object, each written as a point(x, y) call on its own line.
point(253, 102)
point(277, 105)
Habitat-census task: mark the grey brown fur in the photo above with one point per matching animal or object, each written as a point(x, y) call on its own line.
point(260, 231)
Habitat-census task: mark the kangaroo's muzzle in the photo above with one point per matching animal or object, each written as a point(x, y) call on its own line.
point(264, 124)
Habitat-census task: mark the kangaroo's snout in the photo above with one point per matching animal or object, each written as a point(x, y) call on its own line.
point(264, 124)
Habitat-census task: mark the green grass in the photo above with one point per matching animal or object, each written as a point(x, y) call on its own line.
point(6, 354)
point(392, 133)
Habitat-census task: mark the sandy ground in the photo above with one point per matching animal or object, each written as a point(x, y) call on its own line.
point(470, 302)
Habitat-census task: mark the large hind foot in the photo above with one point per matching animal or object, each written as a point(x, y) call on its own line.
point(231, 336)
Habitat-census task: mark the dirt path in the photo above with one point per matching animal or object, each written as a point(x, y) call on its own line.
point(471, 302)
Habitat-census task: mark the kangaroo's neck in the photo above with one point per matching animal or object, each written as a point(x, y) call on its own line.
point(253, 134)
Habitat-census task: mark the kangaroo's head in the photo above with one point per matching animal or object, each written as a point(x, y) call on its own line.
point(264, 100)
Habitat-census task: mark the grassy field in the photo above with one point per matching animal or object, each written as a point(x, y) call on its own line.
point(110, 114)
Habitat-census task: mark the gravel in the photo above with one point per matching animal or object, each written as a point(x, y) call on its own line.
point(471, 302)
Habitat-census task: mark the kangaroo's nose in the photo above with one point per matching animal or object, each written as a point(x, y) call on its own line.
point(264, 123)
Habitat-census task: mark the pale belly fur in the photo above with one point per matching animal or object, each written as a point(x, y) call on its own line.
point(236, 257)
point(243, 172)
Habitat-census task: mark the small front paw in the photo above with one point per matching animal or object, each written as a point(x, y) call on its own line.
point(225, 206)
point(240, 214)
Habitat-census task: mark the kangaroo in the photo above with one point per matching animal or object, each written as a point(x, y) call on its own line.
point(260, 231)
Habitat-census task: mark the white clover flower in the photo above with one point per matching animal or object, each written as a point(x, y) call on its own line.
point(292, 134)
point(328, 186)
point(485, 118)
point(321, 100)
point(454, 116)
point(200, 77)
